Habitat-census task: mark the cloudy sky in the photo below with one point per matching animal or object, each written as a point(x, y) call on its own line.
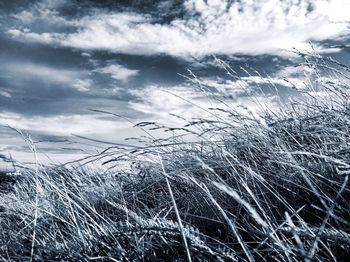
point(60, 58)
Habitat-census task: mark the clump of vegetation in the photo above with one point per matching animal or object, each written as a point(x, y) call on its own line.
point(245, 189)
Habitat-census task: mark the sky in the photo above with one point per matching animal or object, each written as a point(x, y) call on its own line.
point(62, 59)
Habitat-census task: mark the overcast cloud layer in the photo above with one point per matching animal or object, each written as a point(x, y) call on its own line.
point(60, 58)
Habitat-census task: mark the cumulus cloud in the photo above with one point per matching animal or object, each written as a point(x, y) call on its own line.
point(118, 72)
point(210, 27)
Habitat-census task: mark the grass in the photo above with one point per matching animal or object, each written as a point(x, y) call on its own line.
point(245, 189)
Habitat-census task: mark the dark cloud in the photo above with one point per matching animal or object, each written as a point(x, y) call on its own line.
point(163, 11)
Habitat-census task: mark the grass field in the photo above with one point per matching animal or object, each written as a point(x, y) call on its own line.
point(245, 189)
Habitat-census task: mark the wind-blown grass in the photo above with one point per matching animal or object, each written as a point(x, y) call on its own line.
point(246, 189)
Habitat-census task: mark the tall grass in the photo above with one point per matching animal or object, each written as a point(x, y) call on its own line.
point(245, 189)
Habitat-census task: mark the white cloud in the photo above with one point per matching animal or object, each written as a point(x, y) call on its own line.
point(250, 27)
point(188, 103)
point(158, 101)
point(27, 35)
point(71, 78)
point(118, 72)
point(92, 126)
point(25, 69)
point(64, 125)
point(82, 85)
point(5, 93)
